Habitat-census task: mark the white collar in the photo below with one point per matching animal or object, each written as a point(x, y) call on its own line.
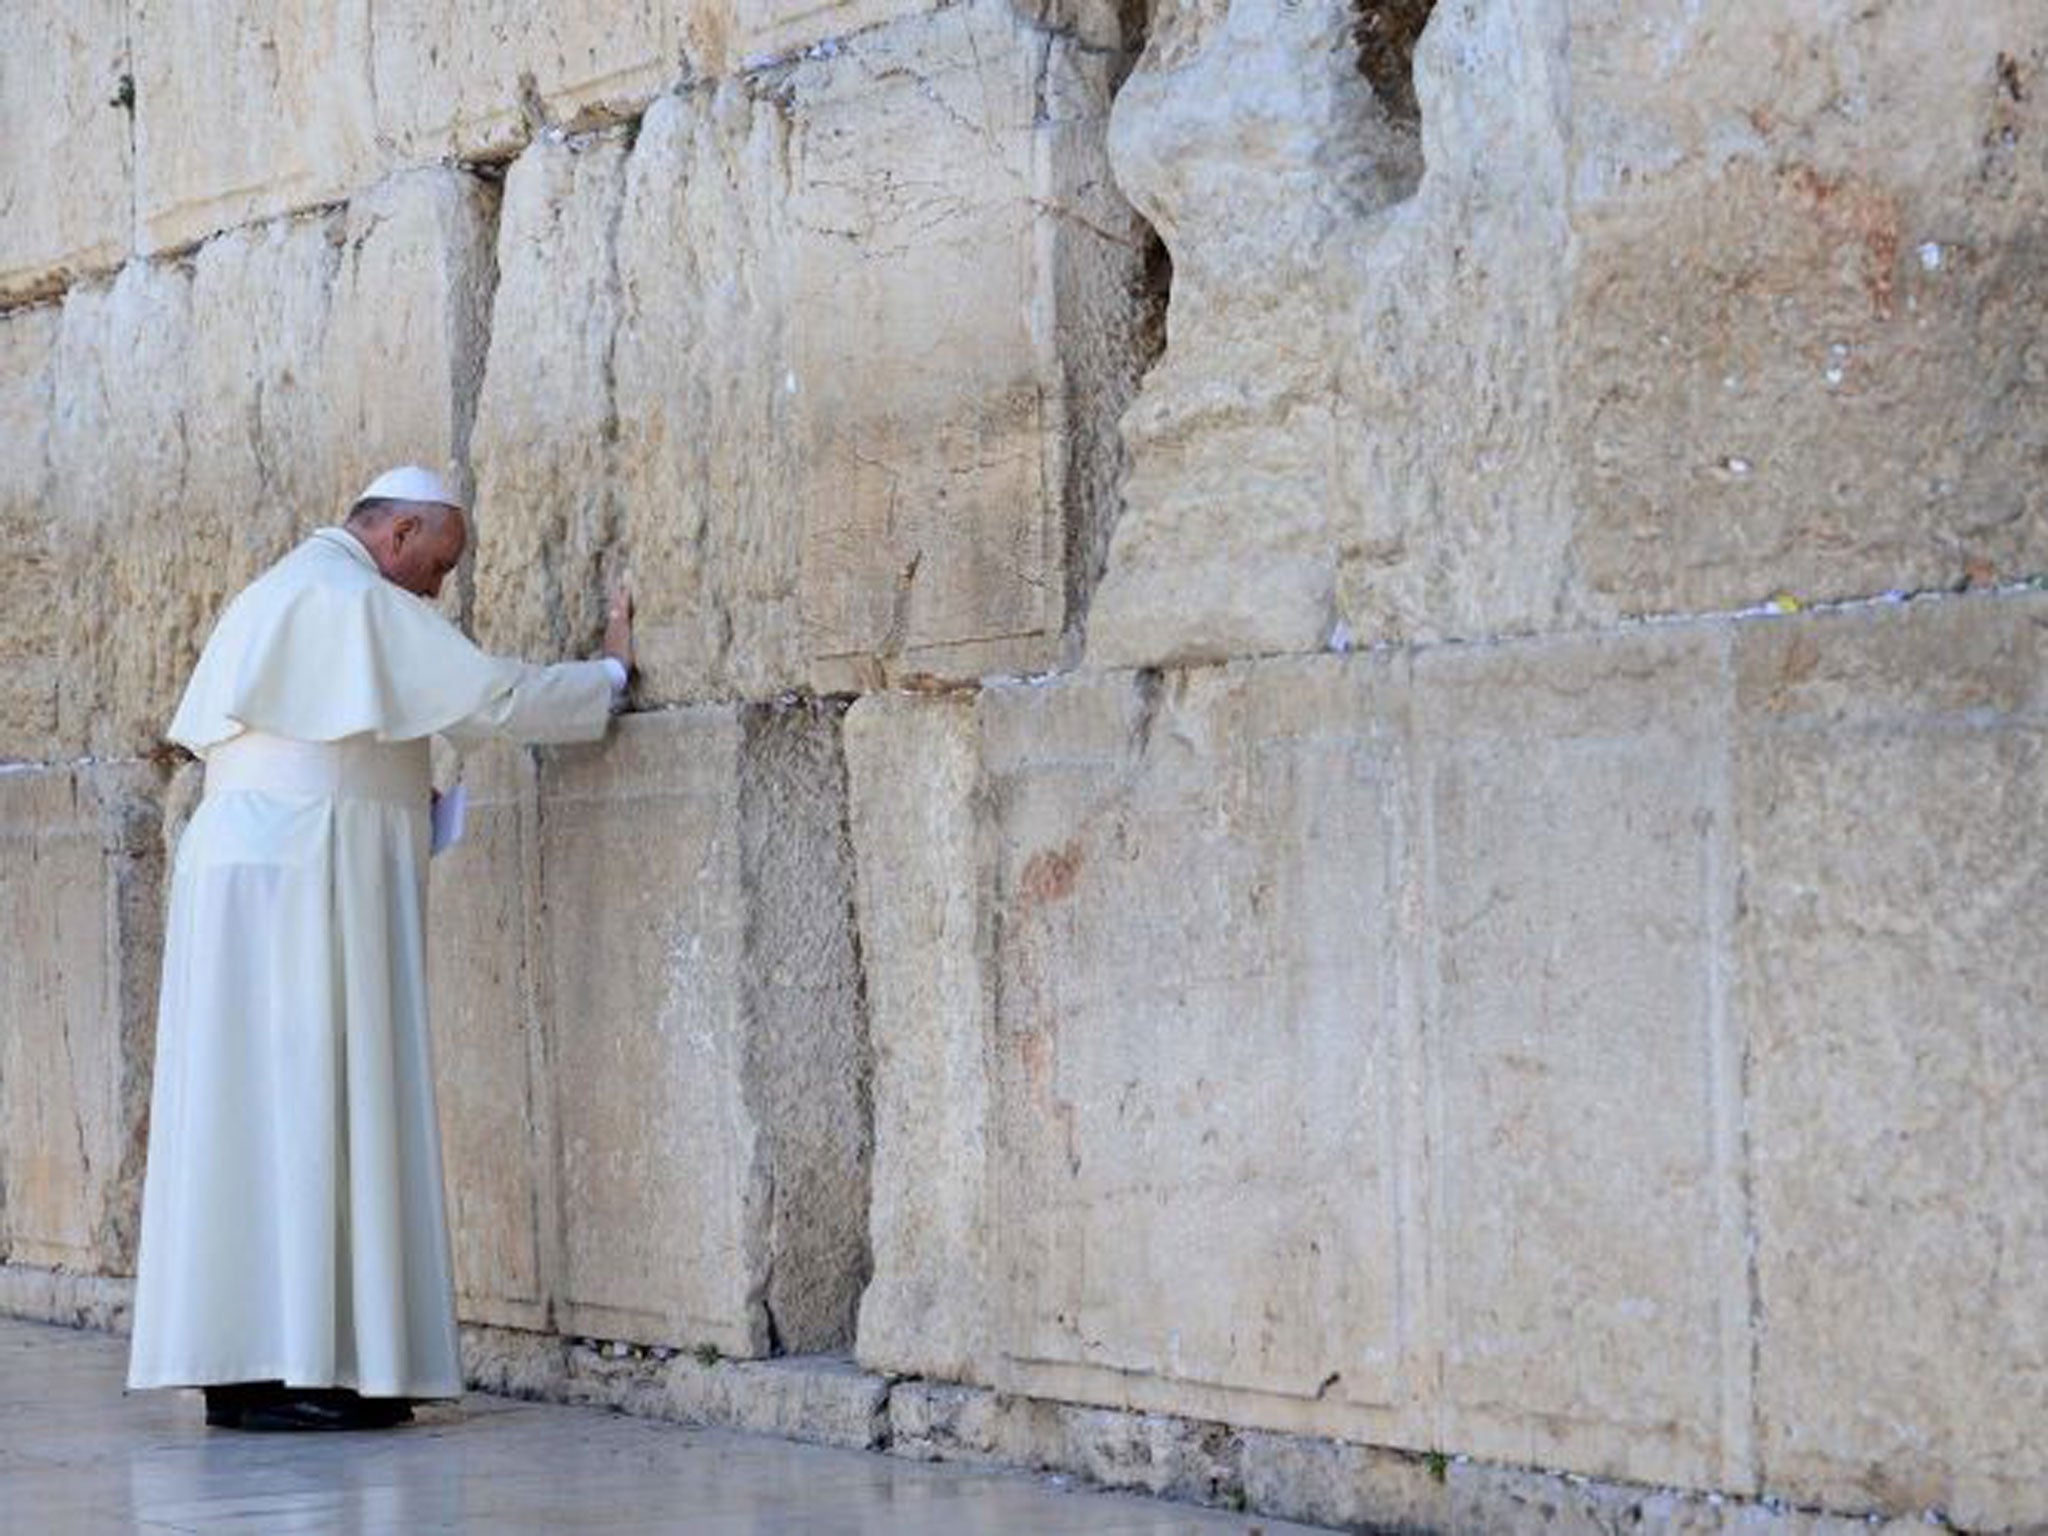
point(348, 543)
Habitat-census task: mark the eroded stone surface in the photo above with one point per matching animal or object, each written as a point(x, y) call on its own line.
point(1893, 874)
point(808, 1066)
point(478, 81)
point(245, 112)
point(546, 513)
point(923, 838)
point(709, 464)
point(402, 357)
point(202, 420)
point(706, 1041)
point(30, 664)
point(1665, 326)
point(61, 79)
point(1830, 384)
point(481, 956)
point(822, 474)
point(662, 1187)
point(1201, 1039)
point(117, 458)
point(1588, 1227)
point(80, 908)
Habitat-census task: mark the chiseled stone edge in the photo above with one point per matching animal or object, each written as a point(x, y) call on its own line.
point(825, 1399)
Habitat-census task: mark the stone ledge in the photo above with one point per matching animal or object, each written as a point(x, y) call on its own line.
point(827, 1400)
point(821, 1398)
point(70, 1300)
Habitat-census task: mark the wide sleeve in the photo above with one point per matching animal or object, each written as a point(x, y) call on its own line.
point(322, 652)
point(542, 706)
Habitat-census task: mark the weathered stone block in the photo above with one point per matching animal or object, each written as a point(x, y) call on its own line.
point(117, 458)
point(934, 159)
point(709, 463)
point(1894, 873)
point(1228, 136)
point(820, 474)
point(80, 912)
point(765, 30)
point(1202, 1039)
point(707, 1049)
point(925, 846)
point(245, 112)
point(203, 420)
point(476, 81)
point(30, 663)
point(546, 515)
point(1584, 1065)
point(1663, 329)
point(1808, 355)
point(482, 956)
point(64, 168)
point(409, 321)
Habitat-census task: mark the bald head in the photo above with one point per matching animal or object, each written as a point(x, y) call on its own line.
point(415, 543)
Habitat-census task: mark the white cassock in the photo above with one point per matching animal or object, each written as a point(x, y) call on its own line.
point(293, 1226)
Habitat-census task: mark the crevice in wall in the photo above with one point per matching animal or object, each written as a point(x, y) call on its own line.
point(804, 1067)
point(471, 319)
point(1385, 33)
point(1105, 361)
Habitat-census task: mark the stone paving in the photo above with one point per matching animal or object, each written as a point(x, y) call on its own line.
point(79, 1455)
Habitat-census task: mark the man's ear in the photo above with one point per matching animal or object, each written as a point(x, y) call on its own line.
point(403, 527)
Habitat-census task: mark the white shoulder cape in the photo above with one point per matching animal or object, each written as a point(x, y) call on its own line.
point(321, 646)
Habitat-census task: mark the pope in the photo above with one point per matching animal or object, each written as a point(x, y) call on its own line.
point(294, 1257)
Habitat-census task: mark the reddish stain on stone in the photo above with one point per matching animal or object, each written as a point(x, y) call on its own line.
point(1049, 875)
point(1859, 214)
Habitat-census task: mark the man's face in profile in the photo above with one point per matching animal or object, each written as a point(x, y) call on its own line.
point(425, 547)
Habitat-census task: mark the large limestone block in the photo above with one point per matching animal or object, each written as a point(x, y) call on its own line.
point(1353, 419)
point(1584, 1086)
point(80, 912)
point(710, 467)
point(242, 112)
point(706, 1043)
point(1808, 347)
point(65, 199)
point(944, 249)
point(476, 81)
point(409, 323)
point(482, 958)
point(1694, 303)
point(546, 513)
point(204, 417)
point(117, 459)
point(1895, 870)
point(1202, 1174)
point(860, 329)
point(925, 847)
point(30, 665)
point(188, 456)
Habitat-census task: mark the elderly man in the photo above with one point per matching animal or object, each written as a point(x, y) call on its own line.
point(294, 1257)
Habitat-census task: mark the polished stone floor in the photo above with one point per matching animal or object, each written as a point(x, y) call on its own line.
point(76, 1455)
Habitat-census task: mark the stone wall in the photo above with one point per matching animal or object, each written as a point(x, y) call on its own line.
point(1343, 707)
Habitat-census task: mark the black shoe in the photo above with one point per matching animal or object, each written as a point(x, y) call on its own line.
point(226, 1403)
point(322, 1408)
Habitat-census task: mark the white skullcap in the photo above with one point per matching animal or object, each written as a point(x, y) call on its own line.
point(409, 482)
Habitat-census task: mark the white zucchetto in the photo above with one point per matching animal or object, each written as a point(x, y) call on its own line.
point(409, 482)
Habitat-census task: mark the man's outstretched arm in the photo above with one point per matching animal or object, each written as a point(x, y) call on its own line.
point(567, 702)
